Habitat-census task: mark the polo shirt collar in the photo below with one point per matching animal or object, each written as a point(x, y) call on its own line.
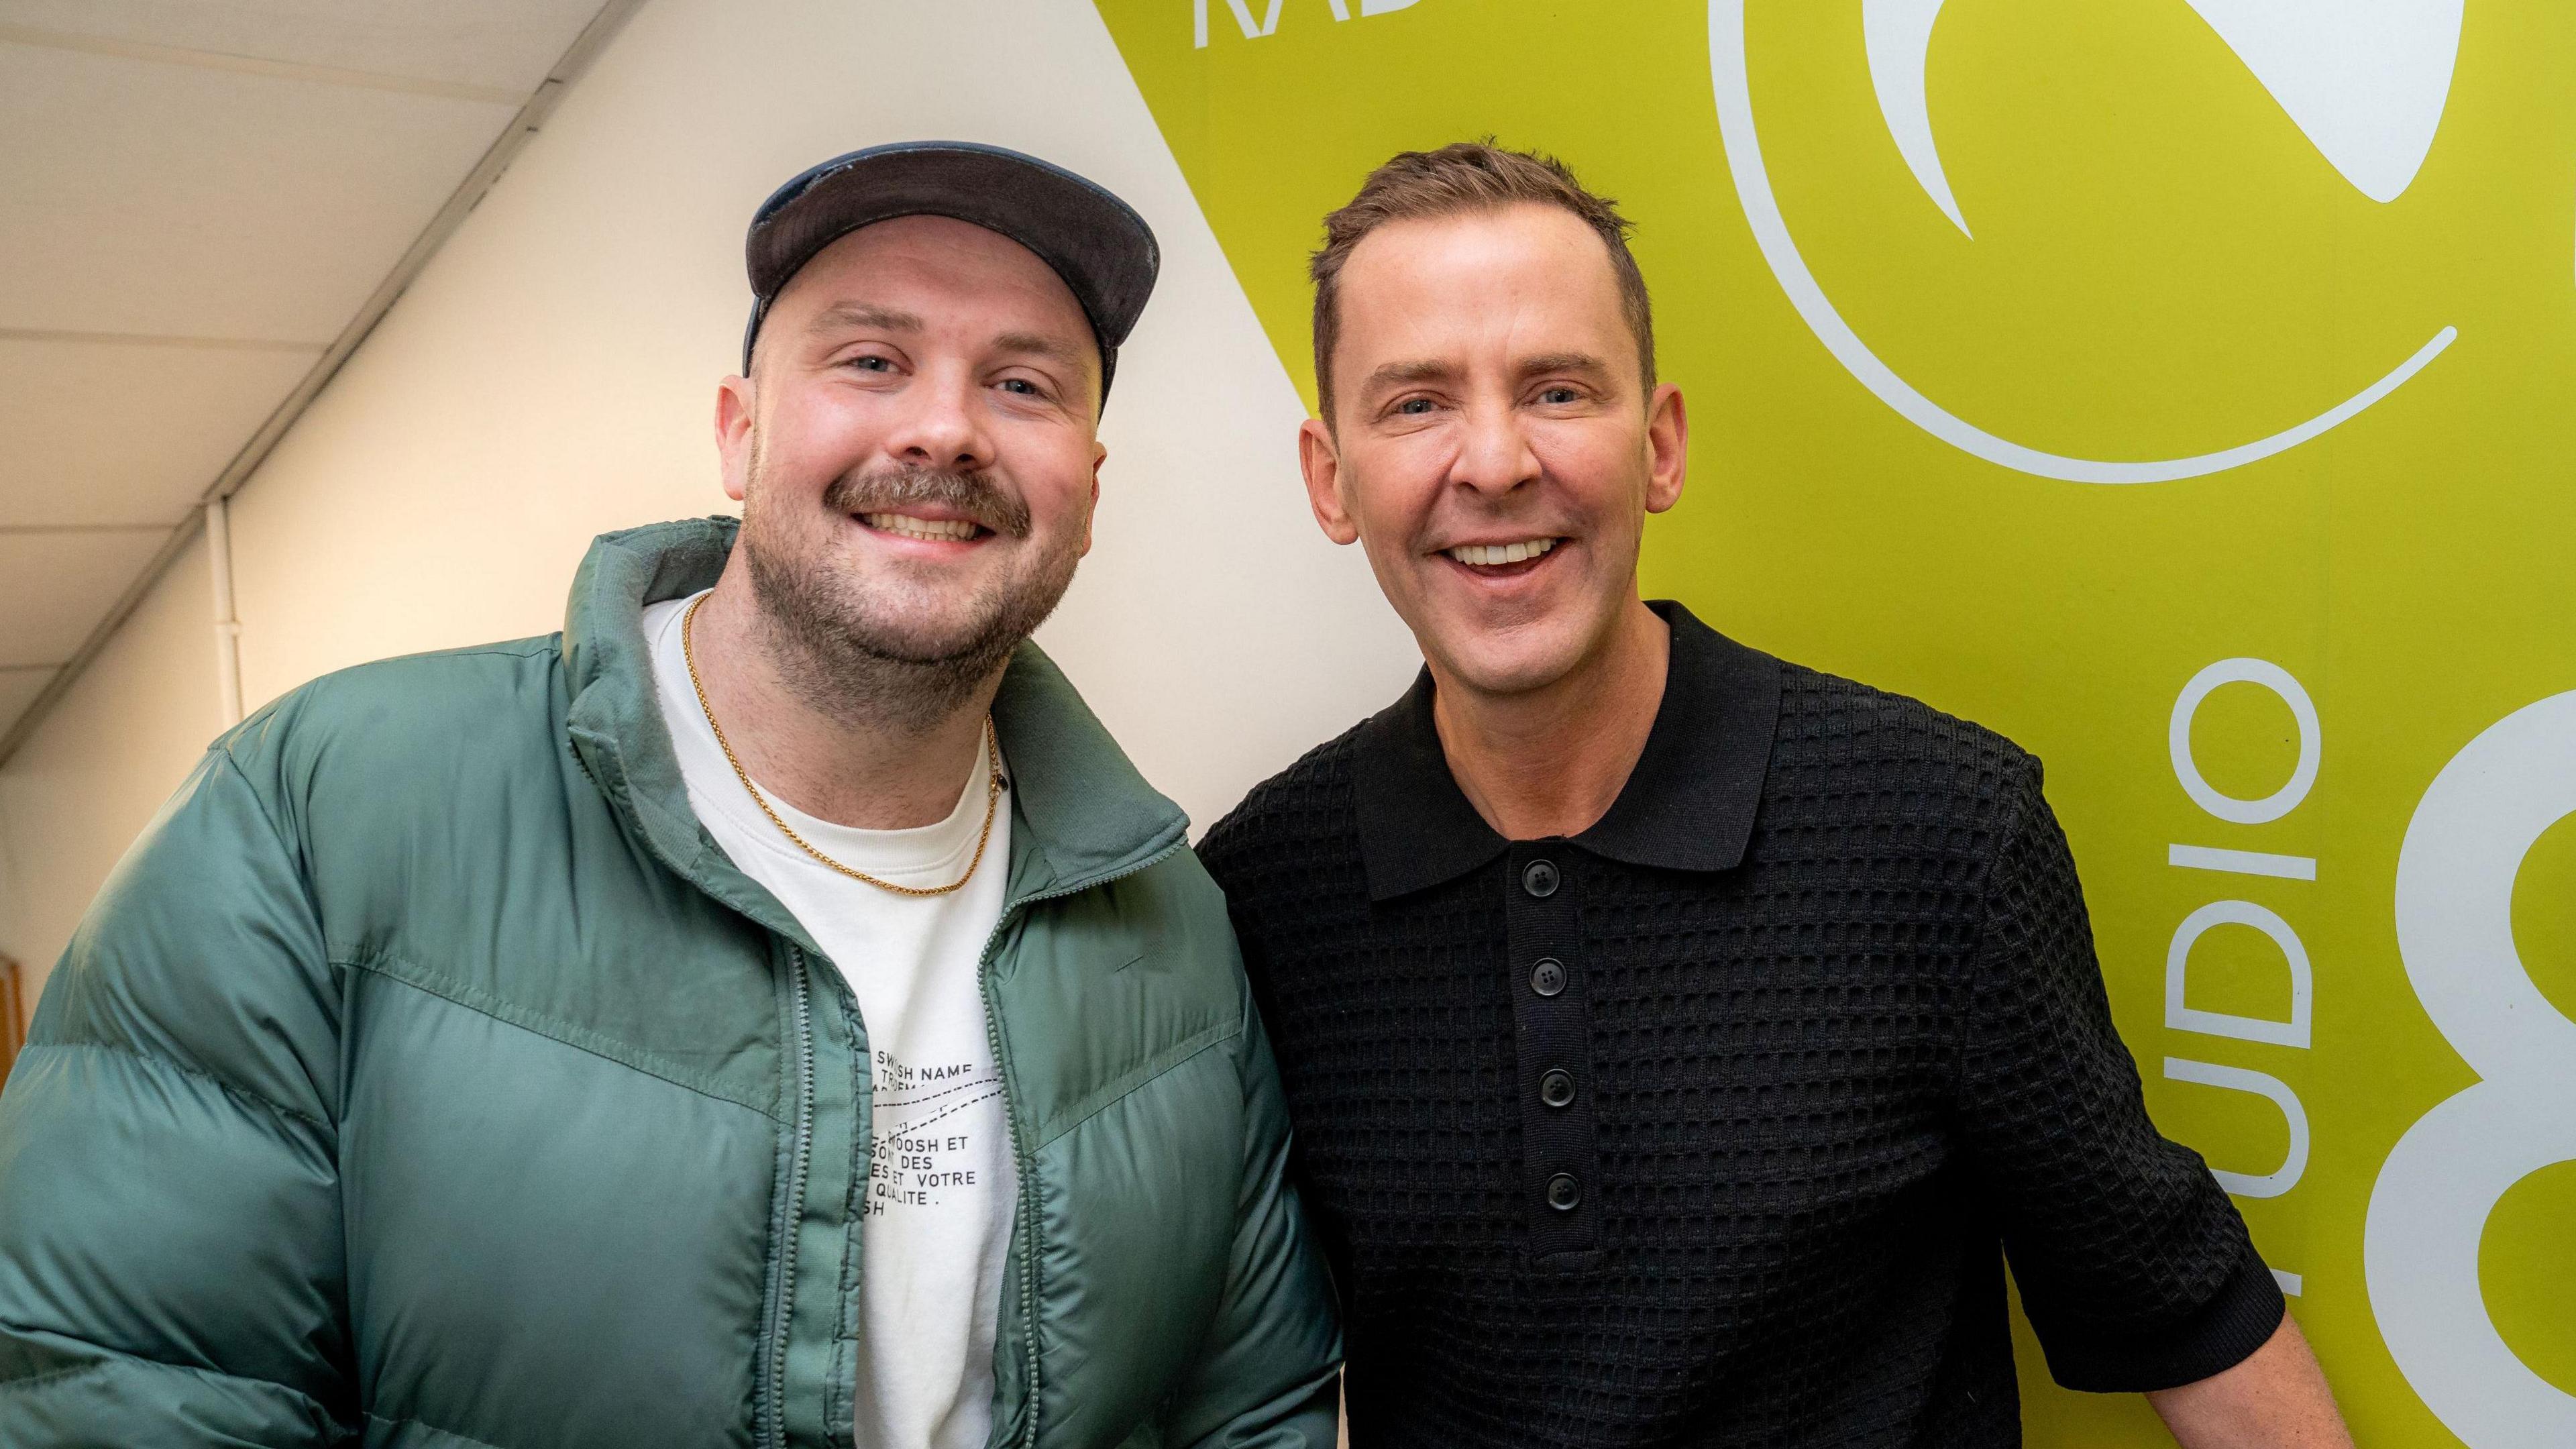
point(1688, 804)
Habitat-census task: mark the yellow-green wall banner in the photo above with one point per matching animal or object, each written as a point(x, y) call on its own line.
point(2186, 388)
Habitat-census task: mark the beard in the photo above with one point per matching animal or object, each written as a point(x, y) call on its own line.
point(898, 648)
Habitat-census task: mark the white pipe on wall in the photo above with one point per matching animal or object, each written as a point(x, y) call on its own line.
point(219, 559)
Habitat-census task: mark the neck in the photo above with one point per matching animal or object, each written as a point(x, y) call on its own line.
point(850, 765)
point(1551, 761)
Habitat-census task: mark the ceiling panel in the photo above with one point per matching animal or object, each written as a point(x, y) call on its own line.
point(55, 585)
point(18, 689)
point(506, 44)
point(146, 197)
point(106, 432)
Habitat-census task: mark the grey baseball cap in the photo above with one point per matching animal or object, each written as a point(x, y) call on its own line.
point(1096, 242)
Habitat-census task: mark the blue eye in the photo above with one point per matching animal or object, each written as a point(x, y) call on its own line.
point(1021, 385)
point(872, 363)
point(1414, 406)
point(1559, 395)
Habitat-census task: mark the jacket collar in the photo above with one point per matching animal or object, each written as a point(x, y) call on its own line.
point(1080, 811)
point(1688, 804)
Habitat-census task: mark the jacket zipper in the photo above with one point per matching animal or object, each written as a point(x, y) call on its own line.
point(1020, 1155)
point(798, 1162)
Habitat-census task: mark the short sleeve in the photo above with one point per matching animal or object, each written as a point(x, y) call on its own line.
point(2134, 1267)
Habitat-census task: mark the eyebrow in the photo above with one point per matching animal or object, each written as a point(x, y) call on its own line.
point(1041, 345)
point(1562, 362)
point(1396, 374)
point(862, 314)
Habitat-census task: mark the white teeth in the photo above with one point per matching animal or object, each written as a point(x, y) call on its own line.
point(911, 527)
point(1501, 553)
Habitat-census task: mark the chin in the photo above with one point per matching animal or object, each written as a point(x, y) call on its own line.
point(924, 635)
point(1509, 661)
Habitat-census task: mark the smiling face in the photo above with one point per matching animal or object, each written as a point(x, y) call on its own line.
point(1494, 445)
point(915, 454)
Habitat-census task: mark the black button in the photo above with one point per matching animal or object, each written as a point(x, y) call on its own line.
point(1557, 1087)
point(1539, 878)
point(1547, 978)
point(1563, 1192)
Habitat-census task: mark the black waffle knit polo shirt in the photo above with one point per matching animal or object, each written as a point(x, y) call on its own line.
point(1714, 1124)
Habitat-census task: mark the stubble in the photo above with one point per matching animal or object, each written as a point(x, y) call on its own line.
point(886, 651)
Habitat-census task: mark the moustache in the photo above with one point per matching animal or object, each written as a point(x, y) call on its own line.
point(889, 490)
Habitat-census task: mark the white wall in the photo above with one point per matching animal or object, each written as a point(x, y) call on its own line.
point(551, 375)
point(73, 797)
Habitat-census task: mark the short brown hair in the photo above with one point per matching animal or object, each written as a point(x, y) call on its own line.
point(1458, 179)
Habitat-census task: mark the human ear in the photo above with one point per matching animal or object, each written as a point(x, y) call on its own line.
point(1322, 463)
point(1099, 455)
point(1667, 448)
point(734, 397)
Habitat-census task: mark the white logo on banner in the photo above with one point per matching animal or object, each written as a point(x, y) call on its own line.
point(1268, 24)
point(2296, 1029)
point(2365, 80)
point(2429, 1209)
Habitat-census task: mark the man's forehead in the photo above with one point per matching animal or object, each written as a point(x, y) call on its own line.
point(1482, 241)
point(934, 253)
point(945, 276)
point(1479, 271)
point(1531, 293)
point(1007, 330)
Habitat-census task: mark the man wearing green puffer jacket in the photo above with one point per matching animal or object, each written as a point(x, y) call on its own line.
point(770, 1012)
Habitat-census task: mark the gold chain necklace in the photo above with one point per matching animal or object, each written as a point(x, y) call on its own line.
point(992, 781)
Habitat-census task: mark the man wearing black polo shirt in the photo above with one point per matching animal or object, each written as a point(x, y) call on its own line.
point(1678, 1040)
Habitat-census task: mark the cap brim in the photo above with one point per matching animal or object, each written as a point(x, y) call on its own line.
point(1097, 243)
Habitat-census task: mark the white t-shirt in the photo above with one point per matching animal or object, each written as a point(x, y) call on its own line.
point(941, 1182)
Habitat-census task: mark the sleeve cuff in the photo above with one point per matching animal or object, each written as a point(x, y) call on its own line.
point(2239, 1318)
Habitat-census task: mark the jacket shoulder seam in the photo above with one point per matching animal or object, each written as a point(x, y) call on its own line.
point(580, 1038)
point(286, 840)
point(535, 646)
point(227, 1087)
point(543, 648)
point(1144, 1074)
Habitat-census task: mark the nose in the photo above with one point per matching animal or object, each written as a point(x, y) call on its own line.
point(940, 425)
point(1494, 454)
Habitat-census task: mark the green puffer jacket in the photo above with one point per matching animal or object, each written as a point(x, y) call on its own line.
point(426, 1076)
